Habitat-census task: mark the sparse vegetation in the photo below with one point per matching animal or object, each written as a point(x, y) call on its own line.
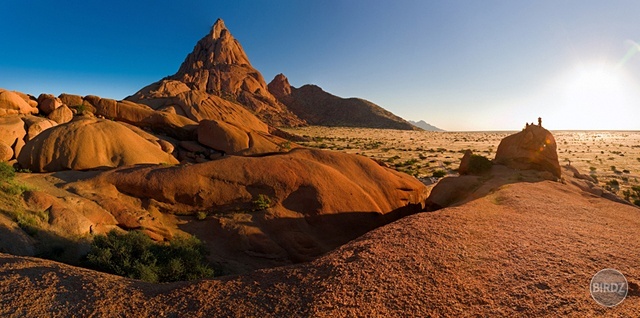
point(439, 174)
point(285, 145)
point(200, 215)
point(600, 151)
point(263, 202)
point(10, 191)
point(80, 109)
point(135, 255)
point(479, 164)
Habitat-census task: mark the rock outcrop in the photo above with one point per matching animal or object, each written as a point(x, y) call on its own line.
point(89, 143)
point(219, 67)
point(61, 115)
point(318, 107)
point(12, 103)
point(465, 162)
point(196, 105)
point(264, 211)
point(532, 148)
point(142, 116)
point(231, 139)
point(12, 134)
point(35, 125)
point(47, 103)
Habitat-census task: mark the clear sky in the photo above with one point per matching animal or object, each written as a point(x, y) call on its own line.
point(459, 65)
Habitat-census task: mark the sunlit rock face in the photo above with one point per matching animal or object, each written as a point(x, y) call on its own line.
point(218, 71)
point(532, 148)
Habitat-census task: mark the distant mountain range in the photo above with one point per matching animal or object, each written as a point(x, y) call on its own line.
point(424, 125)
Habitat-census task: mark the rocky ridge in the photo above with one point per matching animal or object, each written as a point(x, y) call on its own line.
point(320, 108)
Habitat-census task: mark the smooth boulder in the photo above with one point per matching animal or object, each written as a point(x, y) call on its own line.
point(11, 103)
point(232, 139)
point(532, 148)
point(12, 132)
point(89, 143)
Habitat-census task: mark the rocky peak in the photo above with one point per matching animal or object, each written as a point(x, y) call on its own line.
point(217, 29)
point(279, 86)
point(217, 48)
point(219, 68)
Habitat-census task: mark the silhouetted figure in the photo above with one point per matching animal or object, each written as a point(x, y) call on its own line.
point(540, 121)
point(91, 229)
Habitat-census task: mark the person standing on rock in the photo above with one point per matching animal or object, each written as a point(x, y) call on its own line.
point(540, 121)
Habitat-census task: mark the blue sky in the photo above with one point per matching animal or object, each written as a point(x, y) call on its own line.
point(460, 65)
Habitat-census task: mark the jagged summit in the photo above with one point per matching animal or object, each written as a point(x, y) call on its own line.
point(219, 68)
point(217, 28)
point(216, 78)
point(280, 87)
point(218, 48)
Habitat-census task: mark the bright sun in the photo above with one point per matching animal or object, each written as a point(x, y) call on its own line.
point(597, 96)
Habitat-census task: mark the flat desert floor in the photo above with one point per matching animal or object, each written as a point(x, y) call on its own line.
point(612, 157)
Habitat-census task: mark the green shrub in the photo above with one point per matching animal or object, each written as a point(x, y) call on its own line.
point(7, 183)
point(479, 164)
point(80, 109)
point(201, 215)
point(135, 255)
point(439, 173)
point(263, 202)
point(7, 173)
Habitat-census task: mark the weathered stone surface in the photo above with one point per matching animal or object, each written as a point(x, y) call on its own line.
point(35, 125)
point(532, 148)
point(61, 115)
point(267, 210)
point(451, 190)
point(222, 136)
point(89, 143)
point(6, 152)
point(11, 104)
point(166, 146)
point(464, 162)
point(143, 116)
point(76, 102)
point(31, 100)
point(232, 139)
point(47, 103)
point(12, 132)
point(192, 146)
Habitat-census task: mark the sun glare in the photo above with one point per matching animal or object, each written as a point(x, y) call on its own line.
point(597, 96)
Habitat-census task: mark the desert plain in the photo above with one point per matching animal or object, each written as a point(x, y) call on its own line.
point(607, 155)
